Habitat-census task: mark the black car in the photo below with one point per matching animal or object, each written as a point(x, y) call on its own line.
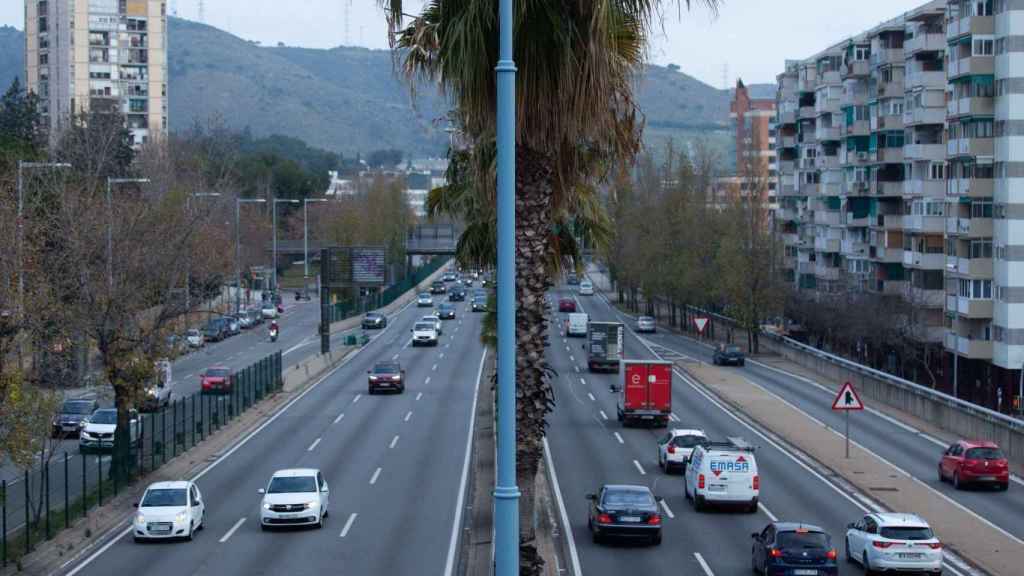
point(437, 287)
point(386, 376)
point(479, 304)
point(727, 354)
point(446, 311)
point(625, 511)
point(216, 330)
point(456, 294)
point(793, 548)
point(72, 414)
point(374, 320)
point(572, 280)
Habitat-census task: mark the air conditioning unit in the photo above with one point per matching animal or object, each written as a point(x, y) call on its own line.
point(862, 156)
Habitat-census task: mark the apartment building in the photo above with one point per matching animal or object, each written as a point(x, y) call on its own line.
point(753, 116)
point(899, 169)
point(84, 55)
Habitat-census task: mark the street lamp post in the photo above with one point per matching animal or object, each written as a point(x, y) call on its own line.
point(273, 266)
point(506, 493)
point(188, 263)
point(238, 247)
point(305, 234)
point(110, 223)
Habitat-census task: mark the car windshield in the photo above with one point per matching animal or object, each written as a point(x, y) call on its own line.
point(218, 372)
point(425, 326)
point(987, 453)
point(646, 319)
point(688, 441)
point(628, 498)
point(424, 295)
point(907, 533)
point(372, 316)
point(292, 484)
point(77, 407)
point(732, 349)
point(445, 307)
point(815, 540)
point(385, 368)
point(268, 306)
point(193, 332)
point(104, 417)
point(164, 497)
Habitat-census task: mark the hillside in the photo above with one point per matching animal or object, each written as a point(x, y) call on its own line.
point(350, 100)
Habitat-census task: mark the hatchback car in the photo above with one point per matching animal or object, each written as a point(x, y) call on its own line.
point(374, 320)
point(437, 287)
point(785, 548)
point(646, 324)
point(446, 312)
point(386, 376)
point(586, 288)
point(456, 294)
point(479, 304)
point(424, 300)
point(975, 462)
point(72, 416)
point(566, 305)
point(624, 511)
point(675, 448)
point(894, 542)
point(169, 510)
point(98, 431)
point(728, 354)
point(295, 497)
point(195, 338)
point(216, 380)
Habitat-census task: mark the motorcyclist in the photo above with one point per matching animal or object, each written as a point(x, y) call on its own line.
point(274, 328)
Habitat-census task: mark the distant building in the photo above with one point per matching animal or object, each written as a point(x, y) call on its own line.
point(84, 55)
point(754, 123)
point(339, 186)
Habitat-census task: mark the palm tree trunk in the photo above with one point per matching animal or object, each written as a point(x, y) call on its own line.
point(534, 395)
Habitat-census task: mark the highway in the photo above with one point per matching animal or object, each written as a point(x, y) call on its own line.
point(394, 463)
point(589, 447)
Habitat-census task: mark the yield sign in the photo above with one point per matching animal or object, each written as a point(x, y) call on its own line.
point(847, 399)
point(700, 323)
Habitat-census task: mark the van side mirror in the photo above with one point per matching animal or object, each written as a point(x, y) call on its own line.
point(135, 505)
point(852, 526)
point(755, 536)
point(591, 496)
point(261, 491)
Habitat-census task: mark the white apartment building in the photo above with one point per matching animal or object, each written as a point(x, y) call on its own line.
point(84, 55)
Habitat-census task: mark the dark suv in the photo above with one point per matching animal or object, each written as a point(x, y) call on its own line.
point(386, 375)
point(437, 287)
point(216, 330)
point(727, 354)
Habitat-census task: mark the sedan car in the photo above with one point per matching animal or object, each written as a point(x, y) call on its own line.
point(244, 321)
point(566, 305)
point(785, 548)
point(386, 376)
point(269, 310)
point(195, 338)
point(572, 280)
point(294, 497)
point(216, 380)
point(437, 287)
point(446, 312)
point(424, 334)
point(97, 433)
point(448, 277)
point(894, 542)
point(478, 305)
point(456, 294)
point(215, 330)
point(72, 416)
point(436, 320)
point(424, 300)
point(646, 324)
point(727, 354)
point(675, 448)
point(234, 326)
point(374, 320)
point(586, 288)
point(169, 510)
point(624, 511)
point(975, 462)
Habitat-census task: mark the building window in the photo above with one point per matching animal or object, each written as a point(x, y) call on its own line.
point(983, 47)
point(937, 171)
point(981, 248)
point(981, 208)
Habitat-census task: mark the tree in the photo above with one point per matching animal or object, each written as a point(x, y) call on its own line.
point(575, 103)
point(387, 158)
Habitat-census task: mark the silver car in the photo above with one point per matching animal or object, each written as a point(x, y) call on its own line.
point(645, 324)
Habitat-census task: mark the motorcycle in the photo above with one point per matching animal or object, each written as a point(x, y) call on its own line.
point(273, 335)
point(298, 296)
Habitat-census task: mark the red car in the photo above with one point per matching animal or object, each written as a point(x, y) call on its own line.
point(216, 379)
point(975, 462)
point(566, 305)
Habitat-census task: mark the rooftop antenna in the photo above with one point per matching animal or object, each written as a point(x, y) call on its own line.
point(202, 11)
point(348, 13)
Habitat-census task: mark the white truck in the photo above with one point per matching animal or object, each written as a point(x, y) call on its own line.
point(158, 392)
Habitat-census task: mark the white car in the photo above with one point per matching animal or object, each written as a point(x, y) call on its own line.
point(269, 310)
point(723, 473)
point(436, 320)
point(424, 299)
point(675, 448)
point(169, 510)
point(586, 288)
point(195, 338)
point(294, 497)
point(424, 334)
point(886, 542)
point(98, 431)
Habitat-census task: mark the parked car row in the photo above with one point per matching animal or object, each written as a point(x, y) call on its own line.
point(223, 327)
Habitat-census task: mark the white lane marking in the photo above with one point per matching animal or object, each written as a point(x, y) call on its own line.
point(566, 348)
point(619, 438)
point(427, 381)
point(577, 369)
point(572, 358)
point(582, 381)
point(376, 474)
point(313, 445)
point(566, 526)
point(395, 357)
point(434, 368)
point(231, 531)
point(449, 344)
point(591, 396)
point(394, 441)
point(603, 415)
point(339, 418)
point(767, 512)
point(668, 511)
point(356, 399)
point(420, 395)
point(348, 524)
point(187, 376)
point(407, 416)
point(704, 565)
point(449, 564)
point(640, 468)
point(674, 417)
point(440, 356)
point(296, 347)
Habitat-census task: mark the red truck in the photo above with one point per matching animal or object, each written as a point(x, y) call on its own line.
point(646, 393)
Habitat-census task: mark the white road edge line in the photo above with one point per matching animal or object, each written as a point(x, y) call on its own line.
point(348, 524)
point(574, 557)
point(339, 418)
point(639, 467)
point(313, 445)
point(582, 381)
point(440, 356)
point(427, 381)
point(395, 357)
point(420, 395)
point(407, 416)
point(394, 441)
point(668, 511)
point(619, 438)
point(453, 544)
point(704, 565)
point(434, 368)
point(376, 474)
point(767, 512)
point(231, 531)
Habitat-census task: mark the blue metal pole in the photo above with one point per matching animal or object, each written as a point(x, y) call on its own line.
point(506, 493)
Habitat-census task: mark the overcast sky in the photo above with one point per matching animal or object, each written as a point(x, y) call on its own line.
point(753, 38)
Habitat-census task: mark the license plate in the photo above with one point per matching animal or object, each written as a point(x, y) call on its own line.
point(289, 515)
point(70, 427)
point(909, 555)
point(715, 488)
point(647, 417)
point(629, 518)
point(804, 572)
point(986, 478)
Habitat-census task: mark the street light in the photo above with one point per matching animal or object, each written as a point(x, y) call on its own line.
point(305, 234)
point(110, 224)
point(188, 261)
point(238, 247)
point(274, 226)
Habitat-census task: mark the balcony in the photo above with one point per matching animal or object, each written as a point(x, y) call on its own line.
point(925, 115)
point(974, 307)
point(829, 163)
point(924, 297)
point(787, 166)
point(787, 117)
point(785, 214)
point(890, 122)
point(886, 188)
point(826, 272)
point(935, 152)
point(972, 187)
point(890, 155)
point(807, 113)
point(854, 248)
point(787, 142)
point(826, 244)
point(857, 189)
point(970, 147)
point(809, 190)
point(853, 221)
point(925, 224)
point(974, 227)
point(827, 217)
point(975, 267)
point(979, 106)
point(827, 133)
point(892, 287)
point(930, 42)
point(891, 255)
point(858, 128)
point(971, 65)
point(805, 267)
point(973, 25)
point(855, 69)
point(890, 221)
point(890, 89)
point(924, 261)
point(790, 239)
point(979, 349)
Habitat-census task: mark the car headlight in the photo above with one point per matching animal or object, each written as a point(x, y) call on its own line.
point(180, 517)
point(310, 505)
point(266, 505)
point(86, 435)
point(140, 519)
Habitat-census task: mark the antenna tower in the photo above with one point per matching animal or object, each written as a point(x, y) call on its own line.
point(348, 15)
point(202, 11)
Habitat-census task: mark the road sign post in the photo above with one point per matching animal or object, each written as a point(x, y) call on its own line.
point(847, 400)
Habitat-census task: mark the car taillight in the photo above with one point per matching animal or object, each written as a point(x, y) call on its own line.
point(604, 519)
point(971, 463)
point(878, 544)
point(831, 554)
point(775, 553)
point(654, 519)
point(671, 449)
point(700, 482)
point(756, 485)
point(935, 545)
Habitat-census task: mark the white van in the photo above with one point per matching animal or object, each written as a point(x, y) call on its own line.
point(577, 324)
point(723, 473)
point(586, 288)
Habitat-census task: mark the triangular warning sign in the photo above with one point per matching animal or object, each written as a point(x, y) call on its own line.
point(741, 459)
point(847, 399)
point(700, 323)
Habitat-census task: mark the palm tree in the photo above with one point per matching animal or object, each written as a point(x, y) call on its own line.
point(577, 63)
